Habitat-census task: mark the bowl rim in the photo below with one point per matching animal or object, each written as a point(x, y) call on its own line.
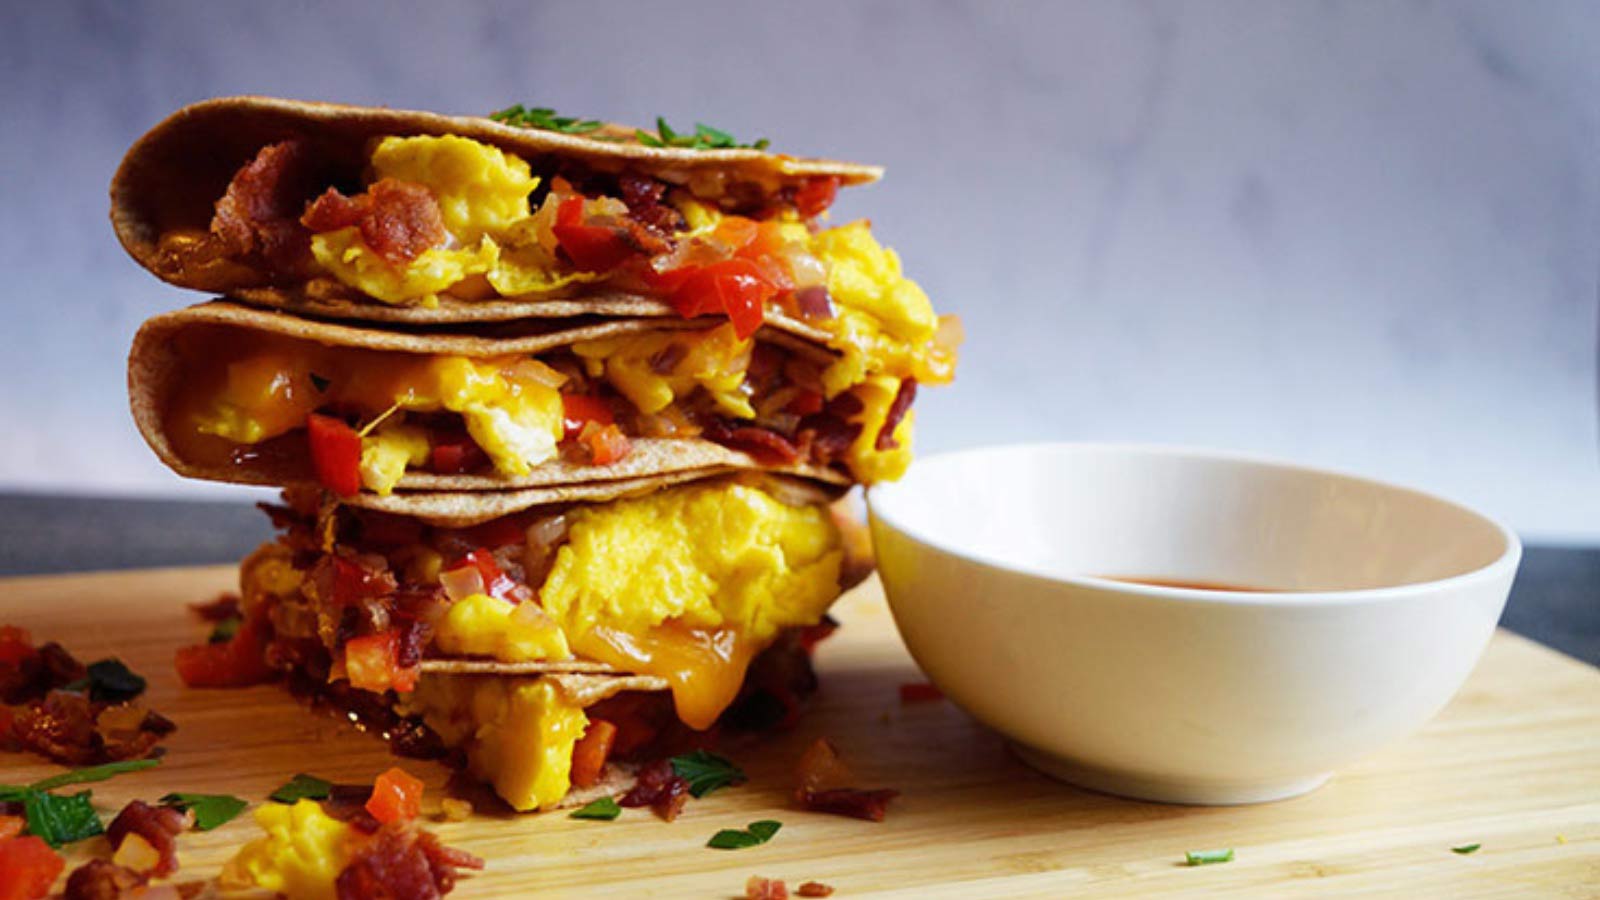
point(1508, 559)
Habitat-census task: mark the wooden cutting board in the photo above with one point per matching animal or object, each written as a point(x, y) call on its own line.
point(1513, 764)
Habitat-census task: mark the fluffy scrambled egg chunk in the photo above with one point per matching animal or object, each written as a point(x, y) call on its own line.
point(706, 556)
point(348, 258)
point(388, 452)
point(481, 625)
point(302, 854)
point(715, 360)
point(518, 732)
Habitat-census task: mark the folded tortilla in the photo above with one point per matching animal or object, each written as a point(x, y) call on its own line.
point(156, 375)
point(172, 177)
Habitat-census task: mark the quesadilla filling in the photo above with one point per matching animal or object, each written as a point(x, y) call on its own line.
point(677, 591)
point(361, 419)
point(436, 217)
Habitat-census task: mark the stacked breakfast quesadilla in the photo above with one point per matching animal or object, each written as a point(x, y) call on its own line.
point(560, 409)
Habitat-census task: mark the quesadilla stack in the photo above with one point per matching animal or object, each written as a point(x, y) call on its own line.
point(559, 409)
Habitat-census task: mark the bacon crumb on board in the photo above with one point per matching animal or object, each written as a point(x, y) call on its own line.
point(814, 889)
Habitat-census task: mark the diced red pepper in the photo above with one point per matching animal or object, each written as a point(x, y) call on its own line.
point(16, 645)
point(335, 454)
point(372, 663)
point(238, 662)
point(593, 248)
point(590, 753)
point(737, 288)
point(29, 867)
point(578, 410)
point(816, 195)
point(396, 797)
point(496, 583)
point(606, 443)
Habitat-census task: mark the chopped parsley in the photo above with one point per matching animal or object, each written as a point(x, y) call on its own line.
point(1465, 849)
point(109, 681)
point(706, 772)
point(61, 820)
point(210, 810)
point(756, 833)
point(302, 787)
point(545, 119)
point(604, 809)
point(1208, 857)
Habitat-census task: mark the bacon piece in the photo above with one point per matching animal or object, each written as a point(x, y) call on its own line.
point(258, 214)
point(402, 862)
point(854, 803)
point(762, 443)
point(660, 788)
point(101, 879)
point(758, 888)
point(399, 220)
point(38, 672)
point(814, 889)
point(70, 729)
point(643, 196)
point(159, 826)
point(897, 411)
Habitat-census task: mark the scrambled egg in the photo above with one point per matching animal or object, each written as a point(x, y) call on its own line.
point(518, 732)
point(481, 625)
point(715, 360)
point(481, 191)
point(301, 855)
point(387, 453)
point(348, 258)
point(867, 463)
point(706, 556)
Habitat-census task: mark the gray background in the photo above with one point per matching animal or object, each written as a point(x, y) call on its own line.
point(1357, 234)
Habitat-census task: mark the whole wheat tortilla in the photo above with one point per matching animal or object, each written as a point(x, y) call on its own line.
point(155, 375)
point(172, 177)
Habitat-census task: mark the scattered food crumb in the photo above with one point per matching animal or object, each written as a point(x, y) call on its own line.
point(758, 888)
point(919, 692)
point(1208, 857)
point(1465, 849)
point(1561, 839)
point(453, 810)
point(815, 889)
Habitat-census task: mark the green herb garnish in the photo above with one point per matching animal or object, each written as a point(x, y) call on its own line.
point(109, 681)
point(1465, 849)
point(604, 809)
point(225, 630)
point(61, 820)
point(704, 138)
point(733, 839)
point(1207, 857)
point(545, 119)
point(210, 810)
point(706, 771)
point(302, 787)
point(85, 776)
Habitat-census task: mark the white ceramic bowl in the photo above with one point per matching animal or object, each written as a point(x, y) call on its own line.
point(1385, 598)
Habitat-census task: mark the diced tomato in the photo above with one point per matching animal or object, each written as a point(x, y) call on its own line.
point(372, 663)
point(396, 797)
point(737, 288)
point(578, 410)
point(16, 644)
point(590, 753)
point(606, 443)
point(816, 195)
point(11, 826)
point(238, 662)
point(29, 867)
point(335, 454)
point(496, 583)
point(456, 455)
point(593, 248)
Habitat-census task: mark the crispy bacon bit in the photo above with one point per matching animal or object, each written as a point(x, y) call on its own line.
point(643, 196)
point(226, 606)
point(871, 805)
point(762, 443)
point(259, 212)
point(919, 692)
point(403, 863)
point(660, 788)
point(71, 729)
point(399, 220)
point(897, 411)
point(346, 580)
point(37, 672)
point(101, 879)
point(814, 889)
point(814, 302)
point(159, 826)
point(758, 888)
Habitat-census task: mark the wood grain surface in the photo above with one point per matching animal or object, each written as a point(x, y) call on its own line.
point(1513, 764)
